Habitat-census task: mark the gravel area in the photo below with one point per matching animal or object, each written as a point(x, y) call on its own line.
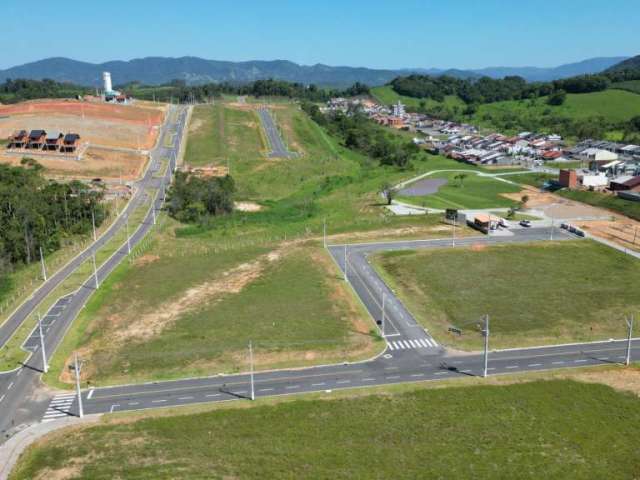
point(426, 186)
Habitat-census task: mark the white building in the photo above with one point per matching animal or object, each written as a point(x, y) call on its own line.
point(597, 154)
point(398, 109)
point(597, 180)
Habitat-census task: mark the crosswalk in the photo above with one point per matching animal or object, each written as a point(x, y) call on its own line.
point(59, 407)
point(412, 343)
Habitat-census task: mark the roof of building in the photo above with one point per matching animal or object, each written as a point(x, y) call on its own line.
point(71, 137)
point(54, 135)
point(35, 134)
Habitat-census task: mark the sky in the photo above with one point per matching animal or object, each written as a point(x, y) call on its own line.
point(370, 33)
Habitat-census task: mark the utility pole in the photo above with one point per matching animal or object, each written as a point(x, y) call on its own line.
point(630, 325)
point(253, 392)
point(76, 368)
point(485, 332)
point(126, 225)
point(551, 233)
point(93, 223)
point(346, 265)
point(44, 268)
point(153, 212)
point(95, 270)
point(45, 365)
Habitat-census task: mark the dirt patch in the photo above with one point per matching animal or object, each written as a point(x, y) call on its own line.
point(477, 247)
point(145, 260)
point(232, 281)
point(247, 206)
point(625, 379)
point(72, 471)
point(196, 125)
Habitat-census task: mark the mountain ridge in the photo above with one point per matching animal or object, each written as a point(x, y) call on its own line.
point(196, 70)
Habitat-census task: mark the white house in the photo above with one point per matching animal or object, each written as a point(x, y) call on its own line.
point(597, 154)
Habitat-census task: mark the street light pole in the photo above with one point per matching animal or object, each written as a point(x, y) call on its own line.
point(76, 368)
point(324, 232)
point(486, 344)
point(45, 365)
point(126, 225)
point(630, 325)
point(551, 233)
point(44, 268)
point(95, 271)
point(453, 242)
point(346, 265)
point(153, 212)
point(383, 313)
point(253, 392)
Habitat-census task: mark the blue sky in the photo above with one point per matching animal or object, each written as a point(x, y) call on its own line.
point(382, 33)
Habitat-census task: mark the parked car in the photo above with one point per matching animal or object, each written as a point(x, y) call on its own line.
point(525, 223)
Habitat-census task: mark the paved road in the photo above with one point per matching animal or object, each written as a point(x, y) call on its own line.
point(22, 400)
point(411, 354)
point(278, 148)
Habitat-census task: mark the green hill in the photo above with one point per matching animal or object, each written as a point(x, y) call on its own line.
point(630, 86)
point(387, 95)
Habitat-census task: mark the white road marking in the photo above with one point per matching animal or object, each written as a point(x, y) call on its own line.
point(1, 398)
point(158, 401)
point(185, 398)
point(343, 381)
point(266, 390)
point(393, 377)
point(440, 373)
point(534, 365)
point(54, 415)
point(213, 395)
point(10, 386)
point(580, 361)
point(391, 347)
point(113, 407)
point(134, 403)
point(90, 394)
point(291, 387)
point(418, 375)
point(512, 366)
point(557, 363)
point(368, 379)
point(317, 384)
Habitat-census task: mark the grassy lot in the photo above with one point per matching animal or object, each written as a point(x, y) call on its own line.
point(192, 307)
point(386, 95)
point(474, 192)
point(564, 165)
point(550, 429)
point(628, 208)
point(613, 105)
point(536, 293)
point(535, 179)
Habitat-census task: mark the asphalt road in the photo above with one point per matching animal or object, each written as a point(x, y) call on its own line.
point(411, 354)
point(278, 148)
point(22, 400)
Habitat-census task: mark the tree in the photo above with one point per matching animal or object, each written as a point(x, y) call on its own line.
point(524, 200)
point(460, 178)
point(557, 98)
point(388, 192)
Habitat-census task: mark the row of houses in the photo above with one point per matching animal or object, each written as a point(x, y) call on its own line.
point(52, 141)
point(498, 149)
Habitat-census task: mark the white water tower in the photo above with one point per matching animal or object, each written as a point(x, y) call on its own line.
point(108, 87)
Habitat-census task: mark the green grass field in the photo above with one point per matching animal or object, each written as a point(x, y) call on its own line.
point(614, 105)
point(545, 429)
point(535, 294)
point(192, 307)
point(387, 96)
point(534, 179)
point(628, 208)
point(474, 192)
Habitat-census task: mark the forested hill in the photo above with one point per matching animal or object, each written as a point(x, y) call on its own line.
point(632, 63)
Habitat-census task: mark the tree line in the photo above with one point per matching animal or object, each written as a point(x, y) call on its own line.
point(196, 199)
point(36, 213)
point(358, 132)
point(179, 91)
point(14, 91)
point(488, 90)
